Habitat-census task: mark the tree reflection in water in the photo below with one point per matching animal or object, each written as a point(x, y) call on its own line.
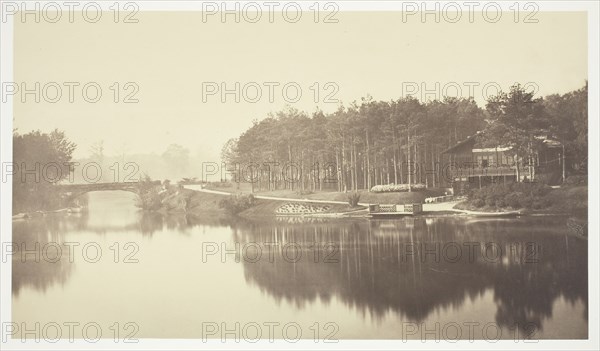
point(373, 269)
point(376, 271)
point(45, 273)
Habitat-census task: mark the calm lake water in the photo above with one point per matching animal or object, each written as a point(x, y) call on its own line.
point(342, 279)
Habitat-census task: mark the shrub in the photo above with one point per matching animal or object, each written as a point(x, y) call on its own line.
point(576, 180)
point(500, 203)
point(353, 199)
point(148, 194)
point(526, 201)
point(490, 200)
point(533, 188)
point(478, 203)
point(237, 203)
point(514, 195)
point(512, 200)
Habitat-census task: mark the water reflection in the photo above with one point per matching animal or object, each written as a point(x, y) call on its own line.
point(33, 270)
point(402, 265)
point(412, 269)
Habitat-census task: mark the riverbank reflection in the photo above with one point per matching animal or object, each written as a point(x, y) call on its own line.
point(524, 273)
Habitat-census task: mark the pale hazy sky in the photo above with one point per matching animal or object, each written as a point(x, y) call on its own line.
point(169, 54)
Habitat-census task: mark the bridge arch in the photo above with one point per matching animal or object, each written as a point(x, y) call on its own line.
point(74, 191)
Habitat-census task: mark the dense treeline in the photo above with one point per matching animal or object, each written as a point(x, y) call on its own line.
point(39, 161)
point(522, 121)
point(402, 141)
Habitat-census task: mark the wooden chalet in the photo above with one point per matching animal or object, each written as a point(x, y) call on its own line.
point(472, 165)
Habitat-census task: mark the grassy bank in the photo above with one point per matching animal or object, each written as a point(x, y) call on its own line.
point(528, 198)
point(199, 204)
point(520, 197)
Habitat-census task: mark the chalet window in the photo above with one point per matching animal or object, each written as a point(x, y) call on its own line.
point(485, 161)
point(507, 160)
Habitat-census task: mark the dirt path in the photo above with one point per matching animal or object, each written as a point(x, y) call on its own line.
point(435, 207)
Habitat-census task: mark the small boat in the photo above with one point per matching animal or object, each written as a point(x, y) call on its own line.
point(491, 214)
point(20, 216)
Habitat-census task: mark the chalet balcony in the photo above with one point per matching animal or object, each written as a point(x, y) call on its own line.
point(477, 171)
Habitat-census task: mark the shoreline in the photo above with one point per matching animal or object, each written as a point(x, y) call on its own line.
point(206, 201)
point(40, 213)
point(429, 209)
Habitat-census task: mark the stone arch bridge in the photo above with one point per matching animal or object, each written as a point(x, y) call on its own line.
point(76, 190)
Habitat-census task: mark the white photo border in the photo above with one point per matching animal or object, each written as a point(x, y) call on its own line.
point(6, 129)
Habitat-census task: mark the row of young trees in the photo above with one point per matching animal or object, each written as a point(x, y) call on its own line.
point(366, 144)
point(401, 141)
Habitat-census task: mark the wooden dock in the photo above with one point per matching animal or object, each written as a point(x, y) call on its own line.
point(395, 210)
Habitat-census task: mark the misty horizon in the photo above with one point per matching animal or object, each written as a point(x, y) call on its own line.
point(187, 102)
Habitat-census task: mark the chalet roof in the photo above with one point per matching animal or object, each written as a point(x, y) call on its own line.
point(472, 140)
point(460, 144)
point(492, 149)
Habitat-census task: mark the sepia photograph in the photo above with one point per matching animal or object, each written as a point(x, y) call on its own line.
point(309, 174)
